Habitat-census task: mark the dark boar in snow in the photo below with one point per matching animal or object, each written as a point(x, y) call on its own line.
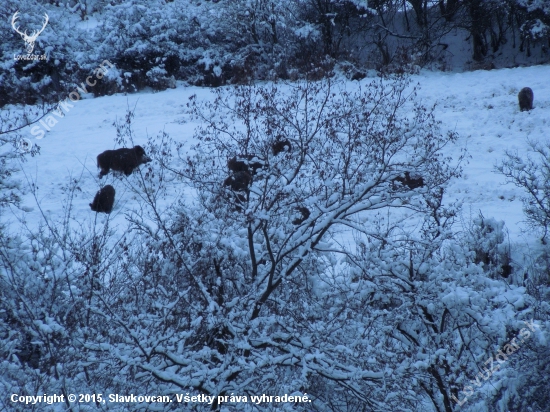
point(525, 98)
point(410, 182)
point(244, 163)
point(239, 181)
point(104, 200)
point(280, 146)
point(122, 160)
point(304, 212)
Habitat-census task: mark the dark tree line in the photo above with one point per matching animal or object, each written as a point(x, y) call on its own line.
point(154, 43)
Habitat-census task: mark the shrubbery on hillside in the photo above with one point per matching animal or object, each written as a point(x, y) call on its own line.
point(247, 288)
point(155, 43)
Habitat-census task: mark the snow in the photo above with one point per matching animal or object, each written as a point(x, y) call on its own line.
point(481, 106)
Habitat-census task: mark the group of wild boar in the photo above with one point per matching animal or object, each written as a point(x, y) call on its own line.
point(122, 160)
point(242, 168)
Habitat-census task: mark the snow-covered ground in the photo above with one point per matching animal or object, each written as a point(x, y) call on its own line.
point(481, 106)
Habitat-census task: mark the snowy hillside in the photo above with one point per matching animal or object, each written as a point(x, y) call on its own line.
point(327, 274)
point(480, 106)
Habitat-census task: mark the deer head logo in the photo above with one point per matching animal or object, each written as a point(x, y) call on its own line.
point(29, 39)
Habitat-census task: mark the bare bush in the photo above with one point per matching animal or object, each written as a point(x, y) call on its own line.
point(531, 173)
point(252, 285)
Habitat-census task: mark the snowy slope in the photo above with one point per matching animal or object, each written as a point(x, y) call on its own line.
point(481, 106)
point(69, 149)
